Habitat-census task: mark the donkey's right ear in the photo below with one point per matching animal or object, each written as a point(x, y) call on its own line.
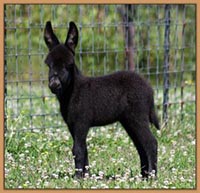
point(72, 36)
point(50, 38)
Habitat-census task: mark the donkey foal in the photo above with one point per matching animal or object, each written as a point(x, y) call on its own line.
point(95, 101)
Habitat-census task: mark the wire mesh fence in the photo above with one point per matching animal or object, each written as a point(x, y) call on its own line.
point(157, 41)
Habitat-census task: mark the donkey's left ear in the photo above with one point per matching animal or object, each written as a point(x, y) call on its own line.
point(72, 36)
point(50, 38)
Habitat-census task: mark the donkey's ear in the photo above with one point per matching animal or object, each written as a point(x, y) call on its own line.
point(72, 36)
point(49, 36)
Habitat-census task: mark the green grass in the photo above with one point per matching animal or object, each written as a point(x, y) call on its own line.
point(38, 147)
point(43, 159)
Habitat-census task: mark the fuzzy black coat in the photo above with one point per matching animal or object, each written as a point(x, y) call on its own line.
point(95, 101)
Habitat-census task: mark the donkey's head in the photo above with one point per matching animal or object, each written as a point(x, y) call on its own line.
point(60, 58)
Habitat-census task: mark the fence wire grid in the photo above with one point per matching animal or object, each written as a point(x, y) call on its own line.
point(156, 41)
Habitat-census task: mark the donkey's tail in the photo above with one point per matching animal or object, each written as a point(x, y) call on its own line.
point(153, 117)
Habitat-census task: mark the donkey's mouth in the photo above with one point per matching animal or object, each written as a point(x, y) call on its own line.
point(55, 86)
point(56, 90)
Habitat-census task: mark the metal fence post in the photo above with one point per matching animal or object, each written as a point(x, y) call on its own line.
point(130, 39)
point(127, 15)
point(166, 63)
point(5, 75)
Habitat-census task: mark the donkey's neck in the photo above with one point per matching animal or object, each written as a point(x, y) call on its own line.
point(76, 71)
point(64, 97)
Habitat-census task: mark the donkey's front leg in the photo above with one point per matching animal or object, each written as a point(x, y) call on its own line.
point(80, 151)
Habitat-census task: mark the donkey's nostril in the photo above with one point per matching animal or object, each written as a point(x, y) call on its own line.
point(54, 85)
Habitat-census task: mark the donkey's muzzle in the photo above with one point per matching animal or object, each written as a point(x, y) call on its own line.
point(55, 85)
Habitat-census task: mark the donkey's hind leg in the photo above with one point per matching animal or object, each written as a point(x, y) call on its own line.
point(145, 143)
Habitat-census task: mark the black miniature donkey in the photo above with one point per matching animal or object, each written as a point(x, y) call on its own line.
point(95, 101)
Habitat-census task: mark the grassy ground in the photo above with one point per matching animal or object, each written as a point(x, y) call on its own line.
point(41, 158)
point(44, 159)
